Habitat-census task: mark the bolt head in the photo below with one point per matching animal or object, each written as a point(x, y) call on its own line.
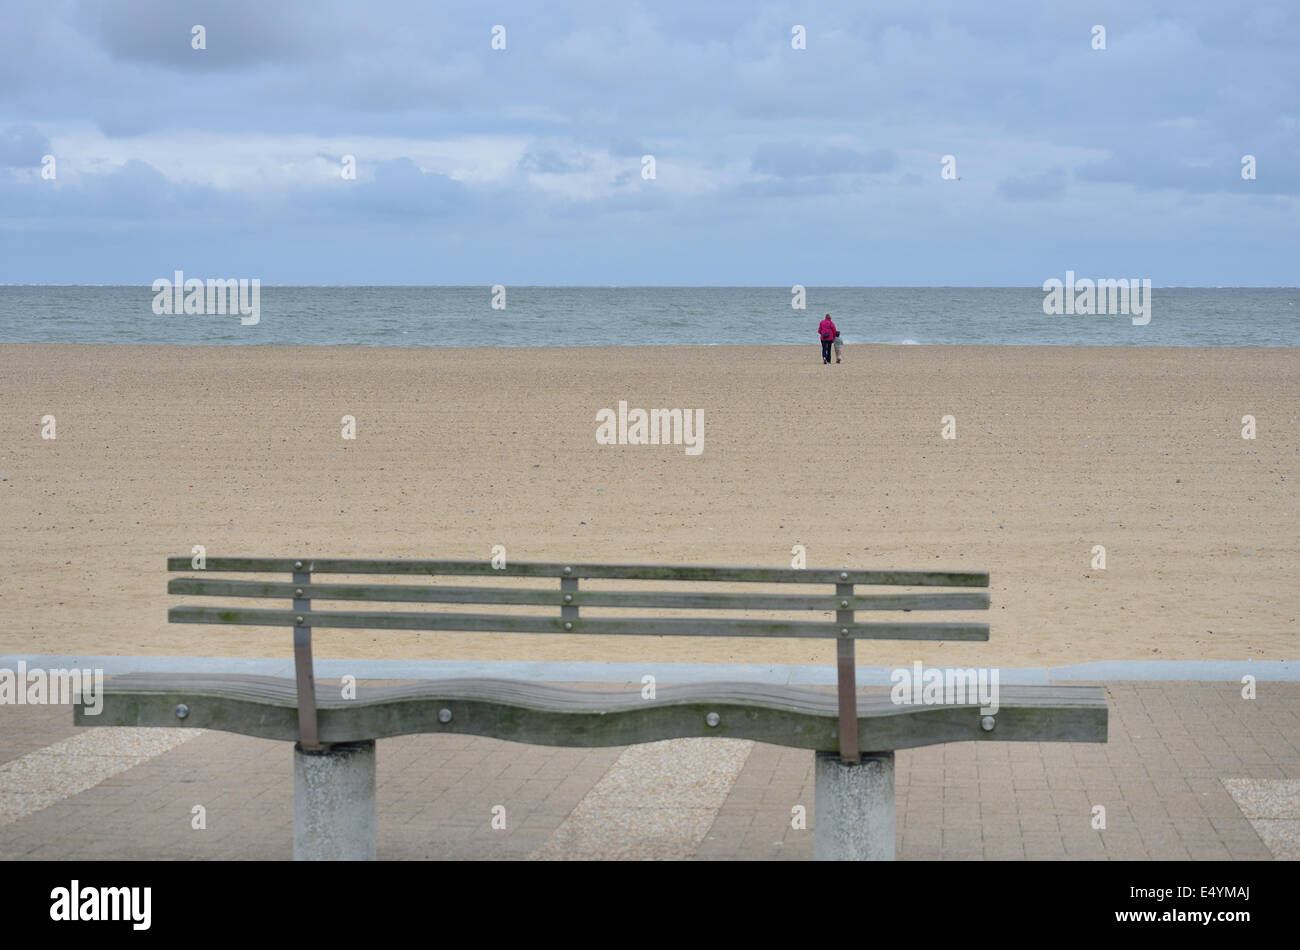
point(568, 598)
point(844, 631)
point(568, 570)
point(182, 711)
point(298, 620)
point(713, 719)
point(844, 603)
point(987, 723)
point(568, 625)
point(298, 564)
point(297, 592)
point(444, 715)
point(844, 575)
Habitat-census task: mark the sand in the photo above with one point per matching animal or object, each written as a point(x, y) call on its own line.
point(1057, 450)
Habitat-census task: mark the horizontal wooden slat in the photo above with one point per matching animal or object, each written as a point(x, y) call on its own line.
point(398, 593)
point(651, 572)
point(541, 714)
point(507, 623)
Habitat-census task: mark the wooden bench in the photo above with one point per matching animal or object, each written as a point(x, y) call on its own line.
point(853, 735)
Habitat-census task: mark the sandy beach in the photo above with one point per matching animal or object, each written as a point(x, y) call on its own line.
point(1057, 450)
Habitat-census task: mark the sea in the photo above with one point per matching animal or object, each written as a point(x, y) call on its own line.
point(648, 316)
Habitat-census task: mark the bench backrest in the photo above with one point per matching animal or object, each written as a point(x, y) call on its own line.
point(719, 618)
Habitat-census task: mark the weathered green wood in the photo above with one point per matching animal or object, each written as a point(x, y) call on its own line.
point(655, 572)
point(540, 714)
point(519, 623)
point(673, 600)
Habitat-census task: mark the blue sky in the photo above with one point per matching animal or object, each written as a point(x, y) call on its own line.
point(773, 166)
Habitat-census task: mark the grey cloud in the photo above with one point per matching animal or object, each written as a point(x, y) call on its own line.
point(400, 188)
point(22, 146)
point(550, 161)
point(1184, 81)
point(238, 32)
point(134, 193)
point(1049, 184)
point(798, 187)
point(792, 161)
point(621, 148)
point(1277, 170)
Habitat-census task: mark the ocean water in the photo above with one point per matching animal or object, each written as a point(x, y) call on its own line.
point(632, 316)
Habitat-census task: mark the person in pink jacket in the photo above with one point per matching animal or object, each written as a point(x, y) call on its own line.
point(826, 330)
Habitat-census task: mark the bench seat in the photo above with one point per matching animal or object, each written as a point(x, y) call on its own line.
point(544, 714)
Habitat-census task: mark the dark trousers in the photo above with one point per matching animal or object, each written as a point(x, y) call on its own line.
point(826, 350)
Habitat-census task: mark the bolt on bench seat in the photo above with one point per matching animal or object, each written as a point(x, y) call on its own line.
point(853, 735)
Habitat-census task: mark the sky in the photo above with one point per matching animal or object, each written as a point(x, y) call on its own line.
point(127, 154)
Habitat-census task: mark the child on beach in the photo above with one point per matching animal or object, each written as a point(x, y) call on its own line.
point(839, 345)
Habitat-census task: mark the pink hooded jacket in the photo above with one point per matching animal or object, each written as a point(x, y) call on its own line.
point(826, 329)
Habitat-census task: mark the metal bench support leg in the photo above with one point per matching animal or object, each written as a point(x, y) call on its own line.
point(853, 808)
point(334, 803)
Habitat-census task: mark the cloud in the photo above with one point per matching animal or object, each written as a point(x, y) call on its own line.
point(628, 148)
point(1277, 171)
point(237, 33)
point(22, 146)
point(794, 161)
point(156, 139)
point(401, 189)
point(551, 162)
point(1049, 184)
point(126, 196)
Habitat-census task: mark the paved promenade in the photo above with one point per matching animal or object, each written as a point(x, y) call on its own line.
point(1192, 770)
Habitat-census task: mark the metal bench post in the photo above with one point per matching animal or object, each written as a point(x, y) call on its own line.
point(308, 737)
point(846, 676)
